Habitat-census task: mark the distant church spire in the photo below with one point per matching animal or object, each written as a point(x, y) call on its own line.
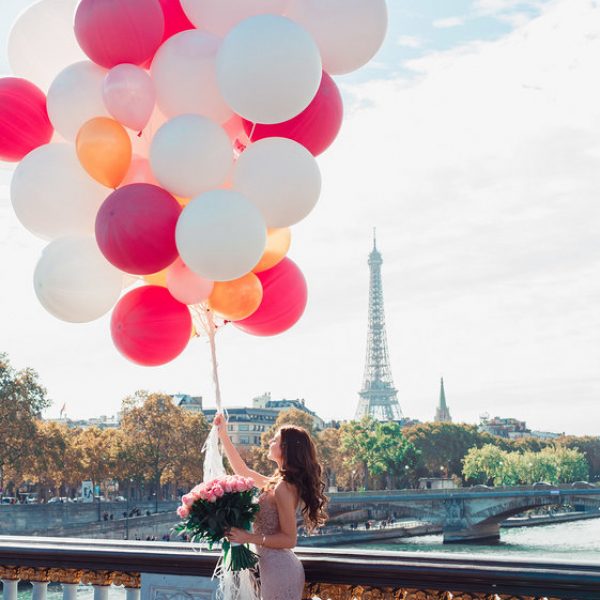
point(442, 412)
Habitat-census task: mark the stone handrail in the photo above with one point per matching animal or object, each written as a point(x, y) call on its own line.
point(330, 574)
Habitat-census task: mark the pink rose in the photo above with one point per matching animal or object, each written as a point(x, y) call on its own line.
point(202, 494)
point(240, 486)
point(183, 512)
point(227, 487)
point(187, 500)
point(210, 497)
point(218, 492)
point(249, 483)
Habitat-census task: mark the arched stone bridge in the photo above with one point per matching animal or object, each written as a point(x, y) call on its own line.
point(467, 514)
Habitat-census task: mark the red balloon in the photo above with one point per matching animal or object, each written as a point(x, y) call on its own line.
point(315, 127)
point(149, 327)
point(111, 32)
point(135, 228)
point(175, 18)
point(24, 123)
point(284, 300)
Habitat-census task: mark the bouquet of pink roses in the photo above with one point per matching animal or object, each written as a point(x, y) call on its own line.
point(213, 507)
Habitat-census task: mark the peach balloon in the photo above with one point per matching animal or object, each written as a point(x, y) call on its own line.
point(104, 150)
point(159, 278)
point(278, 244)
point(185, 285)
point(238, 298)
point(183, 202)
point(139, 172)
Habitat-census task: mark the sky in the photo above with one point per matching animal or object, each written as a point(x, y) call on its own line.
point(472, 143)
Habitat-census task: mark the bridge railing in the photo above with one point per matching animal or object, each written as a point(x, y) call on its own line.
point(330, 575)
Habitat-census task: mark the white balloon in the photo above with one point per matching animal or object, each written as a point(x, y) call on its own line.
point(190, 154)
point(129, 95)
point(220, 235)
point(75, 97)
point(42, 42)
point(348, 32)
point(269, 69)
point(185, 75)
point(52, 195)
point(74, 282)
point(281, 178)
point(219, 16)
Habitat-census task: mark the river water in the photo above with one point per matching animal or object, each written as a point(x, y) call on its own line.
point(579, 540)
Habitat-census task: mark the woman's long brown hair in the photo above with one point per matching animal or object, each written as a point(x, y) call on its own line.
point(301, 467)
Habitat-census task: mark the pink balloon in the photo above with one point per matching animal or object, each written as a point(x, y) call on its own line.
point(315, 127)
point(112, 32)
point(284, 300)
point(129, 95)
point(185, 285)
point(235, 129)
point(135, 228)
point(139, 171)
point(24, 123)
point(149, 327)
point(175, 18)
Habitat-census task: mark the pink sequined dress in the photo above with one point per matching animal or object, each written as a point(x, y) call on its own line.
point(281, 572)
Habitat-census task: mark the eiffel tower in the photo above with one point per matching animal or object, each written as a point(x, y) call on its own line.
point(378, 397)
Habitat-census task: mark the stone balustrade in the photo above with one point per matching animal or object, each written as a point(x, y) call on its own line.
point(154, 571)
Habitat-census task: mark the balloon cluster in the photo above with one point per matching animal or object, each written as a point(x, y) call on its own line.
point(181, 151)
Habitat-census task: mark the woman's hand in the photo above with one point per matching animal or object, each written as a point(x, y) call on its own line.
point(239, 536)
point(220, 423)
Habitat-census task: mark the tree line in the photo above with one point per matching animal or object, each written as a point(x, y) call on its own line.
point(157, 449)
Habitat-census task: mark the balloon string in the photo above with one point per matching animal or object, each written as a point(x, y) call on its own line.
point(211, 331)
point(252, 132)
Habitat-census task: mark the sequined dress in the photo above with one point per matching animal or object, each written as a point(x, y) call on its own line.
point(281, 572)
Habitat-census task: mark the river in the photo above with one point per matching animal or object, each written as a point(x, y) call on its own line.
point(578, 540)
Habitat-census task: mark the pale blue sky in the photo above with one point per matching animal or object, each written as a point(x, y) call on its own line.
point(472, 141)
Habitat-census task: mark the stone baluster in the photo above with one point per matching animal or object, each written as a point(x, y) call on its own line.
point(101, 580)
point(40, 590)
point(10, 578)
point(69, 578)
point(131, 582)
point(39, 579)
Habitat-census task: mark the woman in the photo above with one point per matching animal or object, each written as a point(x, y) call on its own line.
point(296, 482)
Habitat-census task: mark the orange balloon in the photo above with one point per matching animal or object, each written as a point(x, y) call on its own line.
point(159, 278)
point(236, 299)
point(183, 202)
point(278, 244)
point(104, 150)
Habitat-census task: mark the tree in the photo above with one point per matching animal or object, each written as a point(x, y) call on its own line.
point(590, 447)
point(443, 446)
point(46, 466)
point(494, 466)
point(485, 465)
point(378, 449)
point(22, 400)
point(156, 441)
point(336, 466)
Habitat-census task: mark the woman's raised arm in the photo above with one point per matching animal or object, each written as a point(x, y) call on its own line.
point(235, 460)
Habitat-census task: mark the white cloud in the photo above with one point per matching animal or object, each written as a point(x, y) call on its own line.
point(482, 175)
point(410, 41)
point(448, 22)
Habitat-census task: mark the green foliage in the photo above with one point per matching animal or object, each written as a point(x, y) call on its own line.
point(379, 448)
point(492, 466)
point(442, 447)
